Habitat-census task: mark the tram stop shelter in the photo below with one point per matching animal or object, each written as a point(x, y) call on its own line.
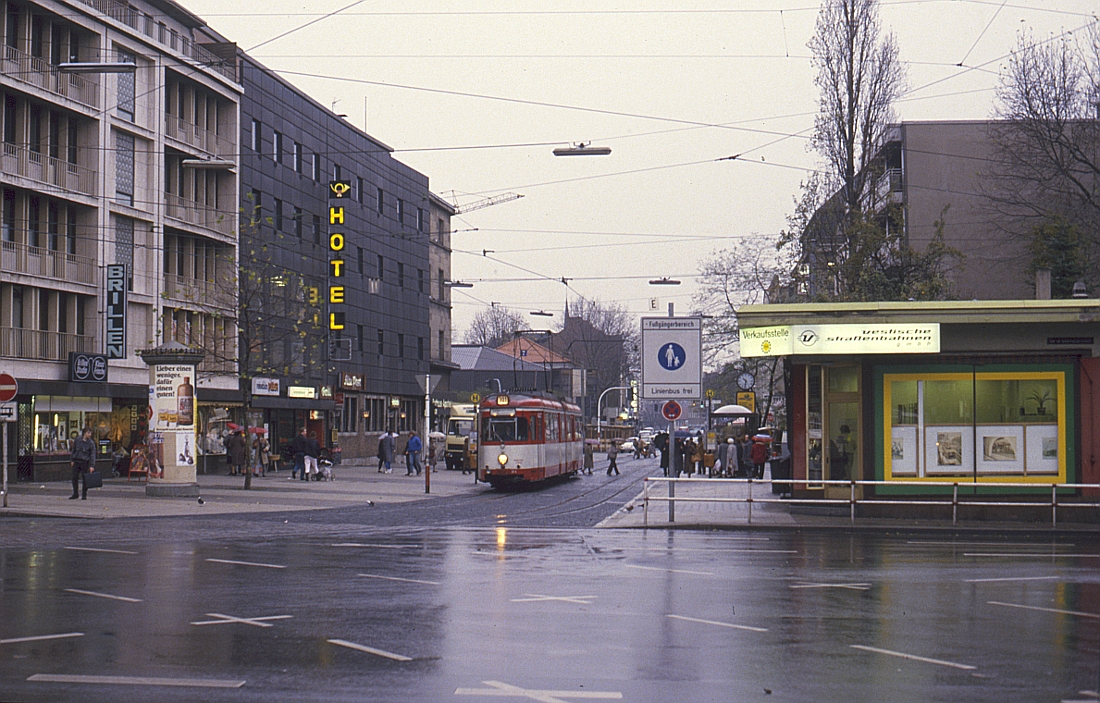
point(999, 397)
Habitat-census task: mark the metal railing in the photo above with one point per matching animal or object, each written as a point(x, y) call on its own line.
point(853, 500)
point(16, 257)
point(38, 166)
point(42, 345)
point(194, 213)
point(39, 72)
point(202, 139)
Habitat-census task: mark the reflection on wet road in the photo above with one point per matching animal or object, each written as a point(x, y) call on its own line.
point(551, 615)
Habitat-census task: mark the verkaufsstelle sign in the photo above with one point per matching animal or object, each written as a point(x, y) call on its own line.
point(794, 340)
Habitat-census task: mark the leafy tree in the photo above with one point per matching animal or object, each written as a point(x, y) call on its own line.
point(1059, 247)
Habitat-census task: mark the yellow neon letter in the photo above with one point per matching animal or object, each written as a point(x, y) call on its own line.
point(336, 215)
point(336, 294)
point(337, 268)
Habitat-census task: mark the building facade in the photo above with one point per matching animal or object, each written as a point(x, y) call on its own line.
point(350, 377)
point(119, 202)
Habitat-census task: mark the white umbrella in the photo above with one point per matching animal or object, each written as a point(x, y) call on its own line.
point(731, 411)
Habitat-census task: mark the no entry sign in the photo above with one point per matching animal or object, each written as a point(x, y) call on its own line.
point(9, 387)
point(671, 410)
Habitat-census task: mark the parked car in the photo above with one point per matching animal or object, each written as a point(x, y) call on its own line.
point(628, 444)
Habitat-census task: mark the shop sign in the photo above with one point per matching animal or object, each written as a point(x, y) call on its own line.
point(747, 399)
point(395, 402)
point(339, 401)
point(173, 394)
point(265, 386)
point(326, 392)
point(353, 381)
point(307, 392)
point(87, 368)
point(116, 311)
point(788, 340)
point(337, 190)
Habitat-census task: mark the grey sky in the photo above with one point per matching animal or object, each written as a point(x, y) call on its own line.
point(640, 77)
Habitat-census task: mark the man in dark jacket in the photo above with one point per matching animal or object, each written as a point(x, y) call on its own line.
point(313, 452)
point(298, 447)
point(82, 460)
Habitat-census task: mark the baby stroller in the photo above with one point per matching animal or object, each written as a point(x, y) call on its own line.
point(324, 467)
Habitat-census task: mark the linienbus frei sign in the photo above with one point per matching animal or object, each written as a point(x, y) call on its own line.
point(337, 296)
point(793, 340)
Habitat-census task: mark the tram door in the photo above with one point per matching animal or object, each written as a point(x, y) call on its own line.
point(841, 445)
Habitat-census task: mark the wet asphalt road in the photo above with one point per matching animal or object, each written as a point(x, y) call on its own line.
point(355, 605)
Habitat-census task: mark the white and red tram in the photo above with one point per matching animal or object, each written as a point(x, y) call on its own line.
point(525, 438)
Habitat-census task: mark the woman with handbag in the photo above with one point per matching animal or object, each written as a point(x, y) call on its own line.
point(82, 460)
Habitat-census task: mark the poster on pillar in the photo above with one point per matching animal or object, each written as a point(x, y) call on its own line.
point(172, 430)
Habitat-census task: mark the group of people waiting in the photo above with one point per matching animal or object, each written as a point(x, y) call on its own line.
point(387, 451)
point(734, 458)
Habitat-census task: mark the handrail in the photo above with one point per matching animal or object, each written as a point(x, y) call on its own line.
point(853, 500)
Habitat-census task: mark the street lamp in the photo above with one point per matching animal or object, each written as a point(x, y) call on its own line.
point(97, 67)
point(457, 284)
point(209, 164)
point(666, 281)
point(541, 313)
point(583, 149)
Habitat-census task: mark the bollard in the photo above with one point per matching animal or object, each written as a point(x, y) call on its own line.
point(672, 500)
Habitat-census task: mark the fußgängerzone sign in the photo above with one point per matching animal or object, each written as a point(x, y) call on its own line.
point(793, 340)
point(672, 367)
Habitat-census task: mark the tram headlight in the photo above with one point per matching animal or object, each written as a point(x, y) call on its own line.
point(502, 459)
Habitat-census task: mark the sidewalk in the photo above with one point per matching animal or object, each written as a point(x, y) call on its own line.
point(119, 498)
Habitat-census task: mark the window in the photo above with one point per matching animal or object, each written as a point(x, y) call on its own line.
point(401, 345)
point(439, 351)
point(11, 36)
point(317, 167)
point(359, 338)
point(420, 280)
point(381, 268)
point(298, 157)
point(349, 418)
point(34, 130)
point(124, 168)
point(53, 135)
point(336, 172)
point(9, 118)
point(124, 243)
point(400, 275)
point(298, 222)
point(400, 211)
point(51, 227)
point(381, 343)
point(359, 256)
point(257, 136)
point(7, 219)
point(278, 215)
point(442, 287)
point(420, 219)
point(359, 189)
point(380, 193)
point(420, 348)
point(34, 213)
point(277, 147)
point(17, 307)
point(71, 142)
point(257, 206)
point(126, 90)
point(316, 229)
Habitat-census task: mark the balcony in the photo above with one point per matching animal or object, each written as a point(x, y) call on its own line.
point(888, 187)
point(193, 213)
point(198, 292)
point(47, 170)
point(201, 139)
point(16, 257)
point(42, 345)
point(40, 73)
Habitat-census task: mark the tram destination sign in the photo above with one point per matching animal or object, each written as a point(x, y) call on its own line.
point(672, 365)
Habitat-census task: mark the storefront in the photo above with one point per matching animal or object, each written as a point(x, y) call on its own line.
point(917, 393)
point(283, 410)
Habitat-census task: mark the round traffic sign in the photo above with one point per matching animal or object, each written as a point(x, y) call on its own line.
point(9, 387)
point(671, 356)
point(671, 410)
point(475, 398)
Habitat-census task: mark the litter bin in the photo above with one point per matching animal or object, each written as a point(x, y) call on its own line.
point(781, 469)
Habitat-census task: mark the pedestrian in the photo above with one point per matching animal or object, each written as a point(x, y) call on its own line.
point(589, 460)
point(313, 451)
point(385, 451)
point(689, 456)
point(381, 454)
point(745, 465)
point(236, 450)
point(660, 443)
point(82, 461)
point(298, 448)
point(759, 456)
point(638, 444)
point(412, 454)
point(721, 463)
point(263, 454)
point(612, 455)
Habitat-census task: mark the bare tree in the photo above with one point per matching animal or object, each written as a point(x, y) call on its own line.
point(493, 326)
point(1046, 171)
point(602, 338)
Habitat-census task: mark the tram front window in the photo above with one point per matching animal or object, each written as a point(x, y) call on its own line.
point(506, 429)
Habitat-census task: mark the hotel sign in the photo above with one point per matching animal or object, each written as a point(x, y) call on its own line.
point(337, 190)
point(795, 340)
point(116, 311)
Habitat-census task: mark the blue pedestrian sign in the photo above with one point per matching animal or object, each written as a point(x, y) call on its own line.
point(671, 356)
point(672, 365)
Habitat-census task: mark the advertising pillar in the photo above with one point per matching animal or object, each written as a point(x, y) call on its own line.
point(172, 423)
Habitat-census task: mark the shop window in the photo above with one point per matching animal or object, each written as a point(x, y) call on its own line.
point(997, 425)
point(349, 418)
point(814, 426)
point(57, 422)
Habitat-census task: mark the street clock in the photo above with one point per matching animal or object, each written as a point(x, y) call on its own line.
point(745, 380)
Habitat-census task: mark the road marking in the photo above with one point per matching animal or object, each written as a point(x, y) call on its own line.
point(135, 681)
point(36, 638)
point(498, 689)
point(1012, 578)
point(398, 578)
point(914, 657)
point(226, 619)
point(1046, 610)
point(246, 563)
point(720, 624)
point(372, 650)
point(94, 549)
point(671, 571)
point(532, 597)
point(986, 544)
point(852, 586)
point(379, 546)
point(1047, 555)
point(103, 595)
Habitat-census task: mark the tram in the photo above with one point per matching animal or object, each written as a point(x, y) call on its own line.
point(528, 437)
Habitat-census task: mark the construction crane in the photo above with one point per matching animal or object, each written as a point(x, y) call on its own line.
point(484, 202)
